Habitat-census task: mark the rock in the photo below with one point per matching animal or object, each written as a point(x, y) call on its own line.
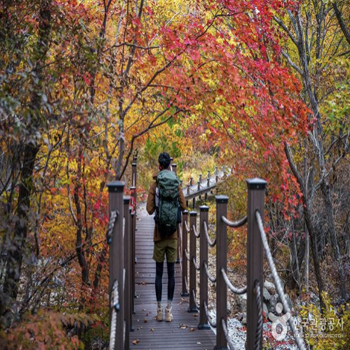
point(266, 295)
point(228, 306)
point(244, 319)
point(270, 287)
point(271, 305)
point(242, 302)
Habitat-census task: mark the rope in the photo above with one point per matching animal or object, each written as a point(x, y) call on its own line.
point(211, 278)
point(187, 227)
point(195, 299)
point(115, 309)
point(235, 224)
point(186, 284)
point(187, 255)
point(212, 324)
point(112, 219)
point(259, 324)
point(229, 342)
point(210, 242)
point(180, 234)
point(197, 267)
point(297, 339)
point(196, 233)
point(231, 286)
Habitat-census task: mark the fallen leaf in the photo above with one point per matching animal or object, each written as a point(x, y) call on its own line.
point(195, 315)
point(199, 343)
point(145, 321)
point(136, 341)
point(192, 329)
point(182, 326)
point(152, 329)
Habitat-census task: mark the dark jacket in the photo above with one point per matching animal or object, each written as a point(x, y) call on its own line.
point(151, 207)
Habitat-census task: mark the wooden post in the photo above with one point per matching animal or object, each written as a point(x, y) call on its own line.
point(203, 281)
point(128, 270)
point(193, 222)
point(184, 258)
point(256, 201)
point(194, 202)
point(191, 181)
point(116, 255)
point(199, 187)
point(221, 263)
point(173, 167)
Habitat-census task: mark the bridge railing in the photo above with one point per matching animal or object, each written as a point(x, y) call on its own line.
point(121, 239)
point(256, 243)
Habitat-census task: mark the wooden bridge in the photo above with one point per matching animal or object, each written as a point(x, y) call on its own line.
point(132, 290)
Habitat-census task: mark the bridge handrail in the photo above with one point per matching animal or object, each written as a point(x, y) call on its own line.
point(255, 201)
point(276, 278)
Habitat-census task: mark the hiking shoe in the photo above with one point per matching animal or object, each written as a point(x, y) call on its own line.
point(168, 315)
point(159, 316)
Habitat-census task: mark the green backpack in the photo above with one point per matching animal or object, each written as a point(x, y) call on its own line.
point(167, 202)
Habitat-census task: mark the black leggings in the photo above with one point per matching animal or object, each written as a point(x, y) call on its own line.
point(171, 280)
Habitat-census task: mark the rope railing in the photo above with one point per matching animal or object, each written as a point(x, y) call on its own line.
point(186, 283)
point(187, 255)
point(195, 299)
point(259, 325)
point(112, 219)
point(276, 278)
point(115, 309)
point(120, 238)
point(210, 242)
point(196, 233)
point(210, 277)
point(212, 324)
point(235, 224)
point(196, 266)
point(231, 287)
point(221, 280)
point(229, 341)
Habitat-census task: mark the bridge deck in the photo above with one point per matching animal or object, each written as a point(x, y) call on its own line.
point(182, 332)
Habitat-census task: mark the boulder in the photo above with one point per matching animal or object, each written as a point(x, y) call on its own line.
point(270, 287)
point(242, 302)
point(266, 295)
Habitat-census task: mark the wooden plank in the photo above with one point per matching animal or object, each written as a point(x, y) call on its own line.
point(182, 332)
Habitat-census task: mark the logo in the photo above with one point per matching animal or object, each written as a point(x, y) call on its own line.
point(279, 323)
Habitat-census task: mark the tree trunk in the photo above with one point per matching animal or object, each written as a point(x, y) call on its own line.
point(30, 150)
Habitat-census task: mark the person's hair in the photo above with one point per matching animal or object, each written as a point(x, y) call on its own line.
point(164, 160)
